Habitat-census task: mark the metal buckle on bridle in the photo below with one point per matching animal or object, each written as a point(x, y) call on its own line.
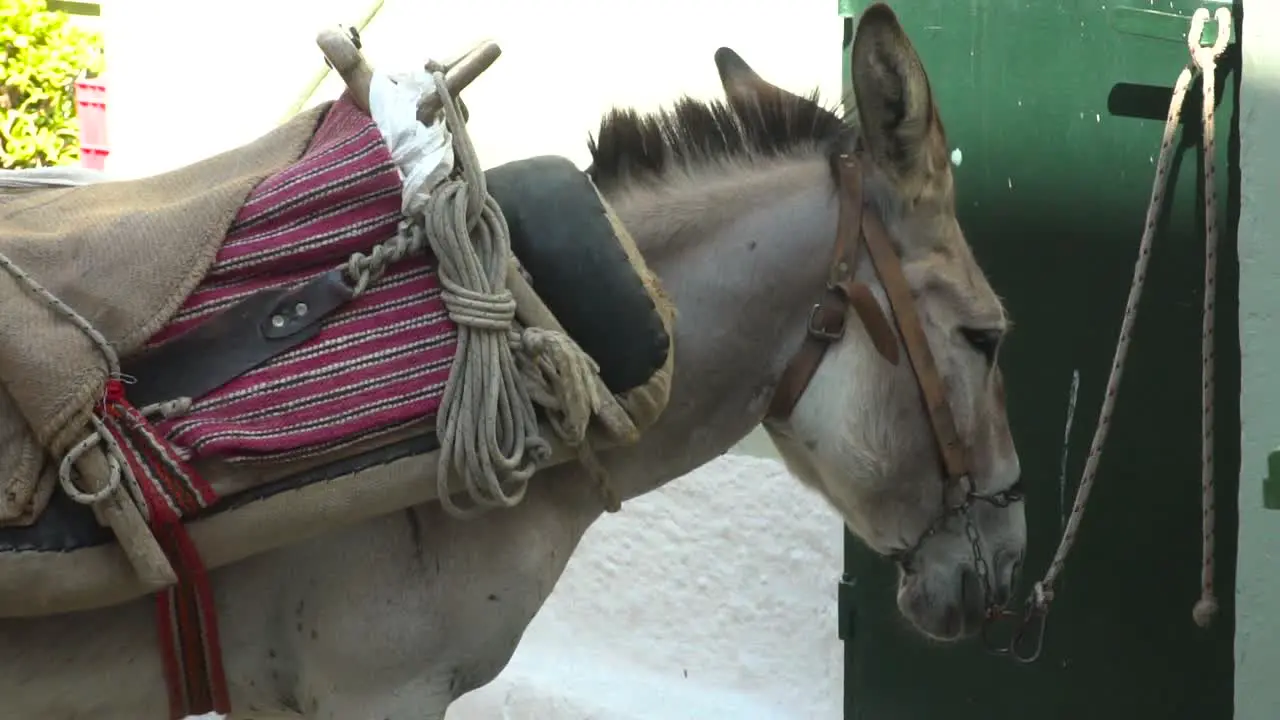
point(823, 333)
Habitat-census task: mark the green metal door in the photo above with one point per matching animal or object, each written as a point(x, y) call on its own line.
point(1054, 110)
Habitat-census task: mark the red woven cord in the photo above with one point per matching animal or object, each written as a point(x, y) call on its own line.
point(186, 617)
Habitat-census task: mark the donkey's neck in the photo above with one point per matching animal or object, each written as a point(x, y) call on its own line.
point(742, 253)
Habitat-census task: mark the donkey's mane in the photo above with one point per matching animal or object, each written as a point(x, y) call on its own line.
point(635, 147)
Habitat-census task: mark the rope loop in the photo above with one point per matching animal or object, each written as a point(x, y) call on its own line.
point(66, 473)
point(1195, 36)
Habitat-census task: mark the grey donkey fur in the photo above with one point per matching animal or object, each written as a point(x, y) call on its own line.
point(394, 618)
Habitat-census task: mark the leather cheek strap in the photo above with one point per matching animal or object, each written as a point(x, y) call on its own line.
point(826, 322)
point(889, 268)
point(873, 320)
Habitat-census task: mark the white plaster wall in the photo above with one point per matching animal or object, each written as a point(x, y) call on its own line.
point(1258, 563)
point(712, 598)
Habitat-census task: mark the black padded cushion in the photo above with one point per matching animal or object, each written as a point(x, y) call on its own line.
point(562, 236)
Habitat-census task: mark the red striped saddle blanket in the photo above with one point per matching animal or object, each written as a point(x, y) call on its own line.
point(376, 364)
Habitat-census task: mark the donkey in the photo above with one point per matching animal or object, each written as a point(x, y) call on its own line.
point(734, 204)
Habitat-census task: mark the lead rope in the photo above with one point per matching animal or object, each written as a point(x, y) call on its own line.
point(1206, 59)
point(1203, 63)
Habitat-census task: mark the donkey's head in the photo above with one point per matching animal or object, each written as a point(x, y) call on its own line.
point(860, 430)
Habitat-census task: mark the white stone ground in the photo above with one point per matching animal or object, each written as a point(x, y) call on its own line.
point(713, 598)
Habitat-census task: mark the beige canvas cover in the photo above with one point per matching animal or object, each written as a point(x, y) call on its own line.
point(124, 255)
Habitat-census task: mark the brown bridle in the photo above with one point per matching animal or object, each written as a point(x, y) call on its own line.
point(827, 324)
point(827, 320)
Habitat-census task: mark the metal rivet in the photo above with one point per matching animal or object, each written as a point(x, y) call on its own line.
point(277, 320)
point(300, 309)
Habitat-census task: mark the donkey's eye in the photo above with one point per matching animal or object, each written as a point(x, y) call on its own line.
point(984, 340)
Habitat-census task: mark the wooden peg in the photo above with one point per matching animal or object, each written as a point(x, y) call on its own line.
point(341, 52)
point(459, 75)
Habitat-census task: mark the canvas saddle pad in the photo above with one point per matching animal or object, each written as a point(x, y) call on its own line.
point(124, 256)
point(340, 426)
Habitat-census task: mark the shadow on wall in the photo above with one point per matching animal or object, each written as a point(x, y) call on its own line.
point(714, 597)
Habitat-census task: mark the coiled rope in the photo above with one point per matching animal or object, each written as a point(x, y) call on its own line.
point(487, 424)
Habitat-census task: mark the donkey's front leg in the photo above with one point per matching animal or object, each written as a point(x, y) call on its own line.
point(395, 618)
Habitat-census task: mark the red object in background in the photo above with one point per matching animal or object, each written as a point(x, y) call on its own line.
point(91, 108)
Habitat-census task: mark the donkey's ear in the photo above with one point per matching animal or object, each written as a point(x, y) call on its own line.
point(742, 85)
point(895, 105)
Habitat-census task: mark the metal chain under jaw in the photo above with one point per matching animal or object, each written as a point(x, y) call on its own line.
point(1002, 499)
point(1027, 641)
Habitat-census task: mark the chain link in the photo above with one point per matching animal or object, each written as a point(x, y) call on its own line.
point(1001, 499)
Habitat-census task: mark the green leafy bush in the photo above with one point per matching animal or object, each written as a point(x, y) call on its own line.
point(41, 55)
